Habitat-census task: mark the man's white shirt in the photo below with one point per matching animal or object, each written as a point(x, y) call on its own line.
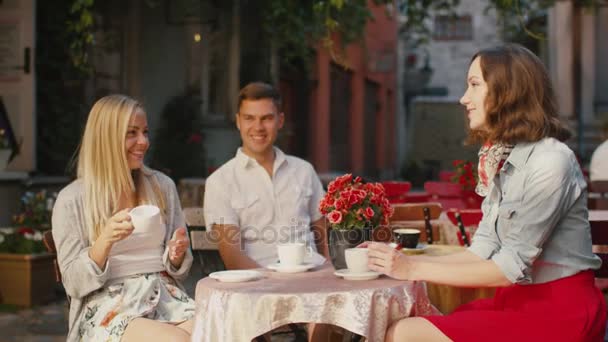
point(268, 210)
point(599, 163)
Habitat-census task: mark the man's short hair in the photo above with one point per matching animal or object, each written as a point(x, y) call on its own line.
point(259, 91)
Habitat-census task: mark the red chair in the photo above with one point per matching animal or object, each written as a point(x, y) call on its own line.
point(396, 192)
point(446, 176)
point(418, 197)
point(450, 195)
point(598, 219)
point(470, 217)
point(598, 195)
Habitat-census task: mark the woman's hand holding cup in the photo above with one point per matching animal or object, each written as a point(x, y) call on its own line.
point(118, 227)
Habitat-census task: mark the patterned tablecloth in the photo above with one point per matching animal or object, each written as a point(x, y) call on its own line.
point(242, 311)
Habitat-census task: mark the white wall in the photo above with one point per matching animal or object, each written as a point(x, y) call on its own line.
point(450, 59)
point(162, 61)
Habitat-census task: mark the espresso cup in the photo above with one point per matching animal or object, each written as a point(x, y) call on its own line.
point(291, 254)
point(145, 217)
point(407, 237)
point(356, 260)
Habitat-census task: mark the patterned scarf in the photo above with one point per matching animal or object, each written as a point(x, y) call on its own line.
point(491, 159)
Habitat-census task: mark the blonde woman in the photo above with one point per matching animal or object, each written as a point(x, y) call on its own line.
point(119, 290)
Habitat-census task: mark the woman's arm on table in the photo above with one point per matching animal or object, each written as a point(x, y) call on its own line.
point(466, 269)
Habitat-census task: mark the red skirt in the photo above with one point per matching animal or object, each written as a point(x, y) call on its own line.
point(569, 309)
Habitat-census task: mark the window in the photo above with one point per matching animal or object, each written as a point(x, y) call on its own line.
point(453, 28)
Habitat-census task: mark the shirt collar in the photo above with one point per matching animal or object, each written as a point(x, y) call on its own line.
point(520, 154)
point(244, 160)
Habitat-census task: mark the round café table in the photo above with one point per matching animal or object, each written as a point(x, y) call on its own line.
point(243, 311)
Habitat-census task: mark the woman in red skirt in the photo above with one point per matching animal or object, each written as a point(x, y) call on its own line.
point(534, 241)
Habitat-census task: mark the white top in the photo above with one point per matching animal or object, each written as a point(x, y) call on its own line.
point(267, 210)
point(140, 252)
point(599, 163)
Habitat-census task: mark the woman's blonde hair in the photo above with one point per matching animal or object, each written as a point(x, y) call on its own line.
point(103, 166)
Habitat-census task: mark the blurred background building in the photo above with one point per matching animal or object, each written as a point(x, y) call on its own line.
point(377, 97)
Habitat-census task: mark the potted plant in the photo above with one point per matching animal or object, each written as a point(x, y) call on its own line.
point(466, 175)
point(27, 276)
point(353, 209)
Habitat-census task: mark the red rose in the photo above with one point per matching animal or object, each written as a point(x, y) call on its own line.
point(378, 189)
point(332, 188)
point(340, 204)
point(353, 199)
point(323, 207)
point(335, 217)
point(343, 180)
point(360, 193)
point(369, 212)
point(25, 230)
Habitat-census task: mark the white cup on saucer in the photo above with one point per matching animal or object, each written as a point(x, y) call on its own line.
point(291, 254)
point(145, 217)
point(356, 260)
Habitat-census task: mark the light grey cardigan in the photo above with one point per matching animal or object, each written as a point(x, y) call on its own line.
point(80, 275)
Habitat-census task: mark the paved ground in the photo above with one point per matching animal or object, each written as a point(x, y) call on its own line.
point(40, 324)
point(49, 323)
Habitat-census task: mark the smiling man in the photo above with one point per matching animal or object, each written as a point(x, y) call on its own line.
point(263, 197)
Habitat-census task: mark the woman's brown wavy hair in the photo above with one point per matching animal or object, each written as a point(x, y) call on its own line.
point(520, 104)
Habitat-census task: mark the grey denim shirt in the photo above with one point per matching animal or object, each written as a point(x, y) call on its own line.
point(535, 223)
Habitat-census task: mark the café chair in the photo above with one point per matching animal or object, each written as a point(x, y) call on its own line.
point(470, 220)
point(396, 192)
point(470, 217)
point(598, 195)
point(202, 242)
point(446, 176)
point(49, 244)
point(449, 194)
point(411, 215)
point(599, 239)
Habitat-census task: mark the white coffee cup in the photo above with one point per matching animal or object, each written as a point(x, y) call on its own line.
point(291, 254)
point(145, 217)
point(356, 259)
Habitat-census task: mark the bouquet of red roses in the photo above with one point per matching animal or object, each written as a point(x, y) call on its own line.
point(350, 203)
point(465, 174)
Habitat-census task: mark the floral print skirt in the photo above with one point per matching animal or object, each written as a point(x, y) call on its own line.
point(108, 311)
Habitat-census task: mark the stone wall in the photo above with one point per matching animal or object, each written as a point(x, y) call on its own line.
point(450, 59)
point(437, 134)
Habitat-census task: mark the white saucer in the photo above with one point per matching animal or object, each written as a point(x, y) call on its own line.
point(235, 276)
point(291, 269)
point(346, 274)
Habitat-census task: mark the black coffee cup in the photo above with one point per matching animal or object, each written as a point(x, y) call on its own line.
point(407, 237)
